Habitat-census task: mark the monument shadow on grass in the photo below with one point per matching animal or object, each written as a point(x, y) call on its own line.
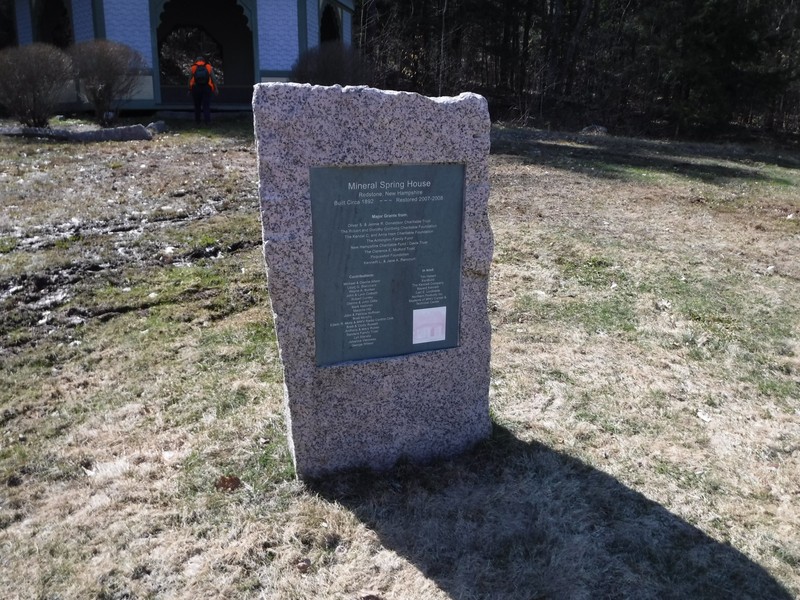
point(518, 520)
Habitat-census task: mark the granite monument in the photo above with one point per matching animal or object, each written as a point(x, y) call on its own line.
point(378, 247)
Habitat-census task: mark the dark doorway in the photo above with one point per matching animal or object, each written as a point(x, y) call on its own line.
point(181, 47)
point(8, 24)
point(52, 23)
point(219, 31)
point(329, 28)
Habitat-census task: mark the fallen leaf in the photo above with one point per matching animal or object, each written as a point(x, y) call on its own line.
point(703, 416)
point(228, 483)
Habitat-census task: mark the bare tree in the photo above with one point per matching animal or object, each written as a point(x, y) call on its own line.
point(332, 63)
point(34, 78)
point(108, 72)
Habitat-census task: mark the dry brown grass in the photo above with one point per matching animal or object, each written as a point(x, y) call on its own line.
point(646, 385)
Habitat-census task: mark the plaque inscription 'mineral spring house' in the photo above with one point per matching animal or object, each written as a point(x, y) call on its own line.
point(387, 259)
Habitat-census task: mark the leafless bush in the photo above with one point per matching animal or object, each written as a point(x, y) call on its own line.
point(108, 73)
point(332, 63)
point(33, 79)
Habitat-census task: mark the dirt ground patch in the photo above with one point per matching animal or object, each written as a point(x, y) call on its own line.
point(645, 306)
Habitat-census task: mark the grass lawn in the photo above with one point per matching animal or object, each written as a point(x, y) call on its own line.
point(645, 307)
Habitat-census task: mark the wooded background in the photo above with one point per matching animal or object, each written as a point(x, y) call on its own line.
point(670, 67)
point(654, 67)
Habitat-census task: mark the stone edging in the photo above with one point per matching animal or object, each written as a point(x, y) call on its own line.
point(111, 134)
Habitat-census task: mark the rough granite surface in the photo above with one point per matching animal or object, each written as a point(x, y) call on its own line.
point(371, 413)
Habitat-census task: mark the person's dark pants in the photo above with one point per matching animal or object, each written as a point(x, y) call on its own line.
point(202, 103)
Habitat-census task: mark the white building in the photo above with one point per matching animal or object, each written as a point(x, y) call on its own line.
point(257, 40)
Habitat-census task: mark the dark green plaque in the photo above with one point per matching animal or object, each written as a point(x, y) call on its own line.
point(387, 259)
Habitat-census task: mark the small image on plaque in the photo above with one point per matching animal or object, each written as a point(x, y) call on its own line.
point(429, 325)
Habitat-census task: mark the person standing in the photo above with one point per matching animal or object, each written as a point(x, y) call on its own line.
point(201, 86)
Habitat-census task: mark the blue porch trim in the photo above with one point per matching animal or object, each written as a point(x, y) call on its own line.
point(302, 26)
point(273, 73)
point(99, 19)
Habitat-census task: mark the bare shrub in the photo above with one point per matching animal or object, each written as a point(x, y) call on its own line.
point(331, 63)
point(34, 77)
point(108, 72)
